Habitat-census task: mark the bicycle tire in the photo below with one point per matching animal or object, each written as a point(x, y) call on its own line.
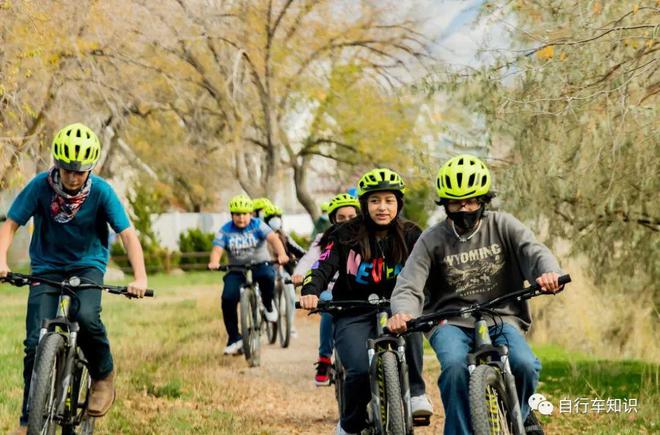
point(392, 413)
point(255, 360)
point(50, 353)
point(339, 380)
point(490, 409)
point(271, 327)
point(247, 323)
point(285, 315)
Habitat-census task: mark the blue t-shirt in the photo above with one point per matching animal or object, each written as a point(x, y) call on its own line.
point(244, 245)
point(81, 242)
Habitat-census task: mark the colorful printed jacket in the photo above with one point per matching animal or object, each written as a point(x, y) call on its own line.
point(357, 279)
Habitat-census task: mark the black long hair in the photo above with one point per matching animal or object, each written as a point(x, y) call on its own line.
point(359, 234)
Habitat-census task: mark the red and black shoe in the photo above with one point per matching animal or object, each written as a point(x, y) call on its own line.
point(323, 368)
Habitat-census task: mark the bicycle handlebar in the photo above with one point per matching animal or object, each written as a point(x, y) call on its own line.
point(328, 306)
point(242, 267)
point(426, 322)
point(19, 280)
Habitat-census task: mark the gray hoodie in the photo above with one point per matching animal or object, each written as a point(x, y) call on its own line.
point(495, 261)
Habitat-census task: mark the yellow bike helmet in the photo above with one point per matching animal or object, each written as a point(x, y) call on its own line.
point(76, 148)
point(378, 180)
point(342, 200)
point(261, 203)
point(241, 204)
point(272, 210)
point(463, 177)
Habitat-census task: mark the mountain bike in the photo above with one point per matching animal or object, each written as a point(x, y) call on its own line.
point(389, 409)
point(252, 310)
point(60, 386)
point(494, 404)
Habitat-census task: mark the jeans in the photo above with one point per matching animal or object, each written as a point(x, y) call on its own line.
point(92, 338)
point(231, 295)
point(452, 344)
point(351, 334)
point(326, 329)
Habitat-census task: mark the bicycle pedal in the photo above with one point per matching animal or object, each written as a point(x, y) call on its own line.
point(422, 421)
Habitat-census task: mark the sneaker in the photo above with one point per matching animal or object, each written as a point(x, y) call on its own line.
point(533, 425)
point(341, 431)
point(236, 348)
point(271, 316)
point(322, 378)
point(421, 406)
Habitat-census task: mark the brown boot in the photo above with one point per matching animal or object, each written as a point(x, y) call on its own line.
point(101, 396)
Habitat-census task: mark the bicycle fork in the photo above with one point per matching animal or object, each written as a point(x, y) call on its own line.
point(482, 340)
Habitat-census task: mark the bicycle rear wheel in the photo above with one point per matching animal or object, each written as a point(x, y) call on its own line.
point(391, 413)
point(80, 391)
point(285, 315)
point(490, 409)
point(339, 376)
point(44, 386)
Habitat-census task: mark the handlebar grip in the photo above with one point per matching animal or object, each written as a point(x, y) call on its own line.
point(298, 306)
point(149, 293)
point(564, 279)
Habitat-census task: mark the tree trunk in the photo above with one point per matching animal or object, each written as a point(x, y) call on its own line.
point(302, 193)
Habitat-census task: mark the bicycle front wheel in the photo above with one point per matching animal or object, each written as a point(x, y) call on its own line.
point(490, 409)
point(391, 413)
point(284, 316)
point(44, 385)
point(250, 327)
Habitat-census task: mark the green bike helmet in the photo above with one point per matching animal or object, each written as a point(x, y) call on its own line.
point(378, 180)
point(463, 177)
point(261, 203)
point(342, 200)
point(271, 211)
point(76, 148)
point(324, 206)
point(241, 204)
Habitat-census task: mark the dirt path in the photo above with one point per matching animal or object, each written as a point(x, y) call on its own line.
point(281, 392)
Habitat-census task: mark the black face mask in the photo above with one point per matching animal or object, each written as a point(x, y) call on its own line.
point(465, 220)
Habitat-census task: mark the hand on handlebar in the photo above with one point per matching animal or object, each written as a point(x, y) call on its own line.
point(282, 259)
point(549, 282)
point(398, 322)
point(297, 279)
point(309, 302)
point(137, 288)
point(214, 265)
point(4, 270)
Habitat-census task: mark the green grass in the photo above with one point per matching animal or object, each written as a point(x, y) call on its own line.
point(574, 375)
